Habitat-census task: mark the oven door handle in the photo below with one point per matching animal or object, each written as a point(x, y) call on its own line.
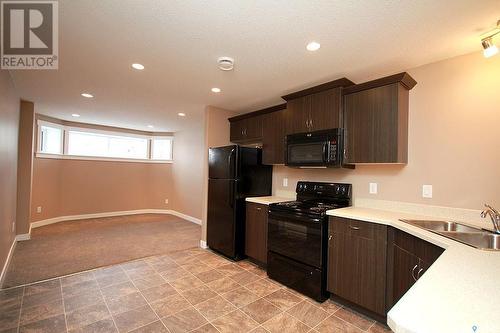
point(288, 217)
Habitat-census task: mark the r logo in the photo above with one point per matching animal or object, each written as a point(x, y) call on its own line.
point(29, 34)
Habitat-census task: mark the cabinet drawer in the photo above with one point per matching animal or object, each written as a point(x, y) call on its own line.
point(357, 228)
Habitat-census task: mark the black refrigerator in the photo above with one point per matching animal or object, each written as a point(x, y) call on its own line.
point(234, 173)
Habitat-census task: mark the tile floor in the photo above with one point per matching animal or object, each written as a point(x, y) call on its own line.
point(188, 291)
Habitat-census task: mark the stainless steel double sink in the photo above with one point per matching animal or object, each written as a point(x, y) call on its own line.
point(471, 236)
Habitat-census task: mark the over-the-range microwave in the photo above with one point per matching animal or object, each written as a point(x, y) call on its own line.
point(315, 149)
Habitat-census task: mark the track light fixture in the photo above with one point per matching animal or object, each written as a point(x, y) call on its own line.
point(489, 47)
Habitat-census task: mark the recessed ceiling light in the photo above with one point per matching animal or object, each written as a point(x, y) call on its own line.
point(313, 46)
point(87, 95)
point(216, 90)
point(76, 115)
point(151, 126)
point(138, 66)
point(181, 114)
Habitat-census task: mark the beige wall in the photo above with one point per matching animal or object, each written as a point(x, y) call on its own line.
point(187, 169)
point(25, 166)
point(454, 140)
point(74, 187)
point(9, 124)
point(216, 135)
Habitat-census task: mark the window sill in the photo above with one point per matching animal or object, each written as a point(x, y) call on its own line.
point(105, 159)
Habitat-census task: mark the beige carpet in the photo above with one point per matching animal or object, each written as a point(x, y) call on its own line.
point(74, 246)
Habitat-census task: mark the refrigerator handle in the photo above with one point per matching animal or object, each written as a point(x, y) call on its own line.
point(230, 158)
point(231, 194)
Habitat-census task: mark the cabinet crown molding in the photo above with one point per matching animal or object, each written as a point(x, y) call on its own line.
point(403, 78)
point(342, 82)
point(258, 112)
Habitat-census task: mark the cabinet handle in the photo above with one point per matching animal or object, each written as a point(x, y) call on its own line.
point(330, 237)
point(353, 227)
point(413, 272)
point(311, 122)
point(418, 273)
point(258, 208)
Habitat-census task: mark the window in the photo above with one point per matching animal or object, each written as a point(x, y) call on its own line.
point(105, 145)
point(75, 142)
point(51, 139)
point(162, 149)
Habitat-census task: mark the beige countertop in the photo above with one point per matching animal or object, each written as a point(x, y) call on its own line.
point(461, 290)
point(267, 200)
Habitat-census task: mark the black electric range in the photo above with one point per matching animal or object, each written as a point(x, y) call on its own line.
point(298, 237)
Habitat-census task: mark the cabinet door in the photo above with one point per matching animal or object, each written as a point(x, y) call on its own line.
point(325, 108)
point(376, 121)
point(404, 275)
point(253, 129)
point(273, 138)
point(247, 130)
point(297, 115)
point(237, 131)
point(256, 232)
point(357, 265)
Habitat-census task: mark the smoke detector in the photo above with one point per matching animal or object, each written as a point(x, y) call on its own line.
point(225, 63)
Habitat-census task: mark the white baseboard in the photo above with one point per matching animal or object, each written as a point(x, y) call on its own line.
point(186, 217)
point(23, 237)
point(58, 219)
point(7, 261)
point(203, 244)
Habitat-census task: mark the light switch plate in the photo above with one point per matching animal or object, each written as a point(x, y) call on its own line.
point(285, 182)
point(373, 188)
point(426, 191)
point(39, 209)
point(166, 201)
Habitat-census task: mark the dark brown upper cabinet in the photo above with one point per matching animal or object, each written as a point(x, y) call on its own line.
point(273, 137)
point(376, 120)
point(266, 127)
point(246, 130)
point(316, 108)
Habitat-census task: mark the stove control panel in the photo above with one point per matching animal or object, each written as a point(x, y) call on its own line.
point(325, 189)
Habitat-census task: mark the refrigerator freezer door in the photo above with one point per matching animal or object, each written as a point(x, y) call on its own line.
point(221, 216)
point(222, 162)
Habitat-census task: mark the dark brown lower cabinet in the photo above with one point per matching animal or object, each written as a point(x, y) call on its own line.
point(357, 263)
point(408, 259)
point(256, 232)
point(371, 266)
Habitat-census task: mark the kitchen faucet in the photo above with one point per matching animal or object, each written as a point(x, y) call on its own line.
point(494, 215)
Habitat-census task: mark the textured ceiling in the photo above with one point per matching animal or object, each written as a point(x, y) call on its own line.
point(179, 42)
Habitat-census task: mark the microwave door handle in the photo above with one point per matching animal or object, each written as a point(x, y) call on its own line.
point(325, 152)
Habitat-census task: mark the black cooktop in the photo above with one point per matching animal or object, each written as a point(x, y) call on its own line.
point(315, 198)
point(314, 207)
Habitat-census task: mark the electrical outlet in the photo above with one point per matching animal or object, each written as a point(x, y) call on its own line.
point(426, 191)
point(373, 188)
point(166, 201)
point(285, 182)
point(39, 209)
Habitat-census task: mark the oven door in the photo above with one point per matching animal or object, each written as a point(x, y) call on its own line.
point(298, 238)
point(307, 154)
